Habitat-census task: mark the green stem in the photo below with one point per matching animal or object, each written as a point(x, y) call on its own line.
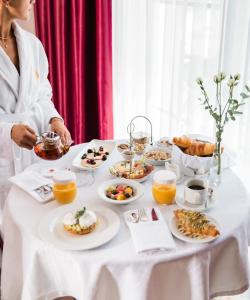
point(228, 105)
point(220, 101)
point(217, 94)
point(218, 148)
point(219, 158)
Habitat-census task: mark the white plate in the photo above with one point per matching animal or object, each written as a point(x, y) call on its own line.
point(51, 228)
point(184, 204)
point(49, 172)
point(187, 239)
point(137, 187)
point(165, 146)
point(154, 161)
point(107, 145)
point(138, 179)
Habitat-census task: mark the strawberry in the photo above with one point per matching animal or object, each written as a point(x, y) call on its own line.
point(120, 187)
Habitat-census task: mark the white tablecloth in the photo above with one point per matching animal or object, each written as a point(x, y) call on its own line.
point(32, 269)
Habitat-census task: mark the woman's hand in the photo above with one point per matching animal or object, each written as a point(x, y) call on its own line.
point(23, 136)
point(58, 127)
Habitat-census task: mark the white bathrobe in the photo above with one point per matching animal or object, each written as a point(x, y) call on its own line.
point(24, 98)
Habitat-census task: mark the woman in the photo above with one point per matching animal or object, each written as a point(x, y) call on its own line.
point(26, 109)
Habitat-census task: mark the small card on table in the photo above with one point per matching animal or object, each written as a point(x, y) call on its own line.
point(35, 185)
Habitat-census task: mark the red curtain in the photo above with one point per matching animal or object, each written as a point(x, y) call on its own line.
point(77, 36)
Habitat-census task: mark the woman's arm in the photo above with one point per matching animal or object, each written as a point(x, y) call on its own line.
point(51, 115)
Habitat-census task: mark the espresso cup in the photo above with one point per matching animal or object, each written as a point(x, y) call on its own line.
point(196, 191)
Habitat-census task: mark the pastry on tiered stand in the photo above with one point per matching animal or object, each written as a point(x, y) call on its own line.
point(80, 222)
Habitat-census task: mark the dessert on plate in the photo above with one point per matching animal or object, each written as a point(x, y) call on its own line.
point(122, 147)
point(82, 221)
point(195, 224)
point(94, 157)
point(165, 142)
point(139, 148)
point(157, 154)
point(138, 170)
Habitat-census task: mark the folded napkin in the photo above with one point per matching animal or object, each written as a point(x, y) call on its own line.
point(149, 235)
point(34, 184)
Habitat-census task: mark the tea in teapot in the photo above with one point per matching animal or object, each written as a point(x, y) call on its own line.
point(50, 147)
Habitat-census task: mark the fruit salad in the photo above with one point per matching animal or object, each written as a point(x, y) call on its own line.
point(120, 192)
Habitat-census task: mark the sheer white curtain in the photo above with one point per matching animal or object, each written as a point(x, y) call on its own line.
point(160, 47)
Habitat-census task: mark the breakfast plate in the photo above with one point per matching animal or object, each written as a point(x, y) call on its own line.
point(94, 155)
point(52, 231)
point(157, 156)
point(120, 191)
point(176, 232)
point(140, 170)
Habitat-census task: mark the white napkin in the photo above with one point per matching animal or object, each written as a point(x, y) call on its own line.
point(34, 184)
point(150, 235)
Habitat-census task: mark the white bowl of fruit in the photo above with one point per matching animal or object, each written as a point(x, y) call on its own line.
point(120, 191)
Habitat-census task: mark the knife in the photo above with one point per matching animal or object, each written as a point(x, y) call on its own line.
point(154, 215)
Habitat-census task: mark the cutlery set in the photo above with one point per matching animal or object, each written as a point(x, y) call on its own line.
point(140, 215)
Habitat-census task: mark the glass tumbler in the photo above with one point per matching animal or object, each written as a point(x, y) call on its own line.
point(164, 187)
point(64, 188)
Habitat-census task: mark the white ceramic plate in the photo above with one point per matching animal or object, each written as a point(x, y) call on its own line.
point(137, 187)
point(51, 228)
point(154, 161)
point(185, 205)
point(107, 145)
point(187, 239)
point(162, 145)
point(138, 179)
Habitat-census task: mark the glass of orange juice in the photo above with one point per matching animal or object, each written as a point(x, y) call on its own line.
point(164, 187)
point(64, 188)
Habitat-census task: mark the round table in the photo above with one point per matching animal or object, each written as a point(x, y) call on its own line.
point(33, 269)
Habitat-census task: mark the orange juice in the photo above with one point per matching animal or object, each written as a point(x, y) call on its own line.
point(164, 193)
point(164, 187)
point(64, 193)
point(64, 189)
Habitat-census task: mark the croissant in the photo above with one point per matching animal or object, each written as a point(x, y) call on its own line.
point(183, 141)
point(200, 148)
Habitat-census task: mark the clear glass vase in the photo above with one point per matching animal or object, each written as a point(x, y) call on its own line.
point(215, 171)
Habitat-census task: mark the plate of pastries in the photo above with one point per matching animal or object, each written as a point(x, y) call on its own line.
point(194, 145)
point(139, 170)
point(193, 226)
point(94, 154)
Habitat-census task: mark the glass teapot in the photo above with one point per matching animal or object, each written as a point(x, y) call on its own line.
point(50, 147)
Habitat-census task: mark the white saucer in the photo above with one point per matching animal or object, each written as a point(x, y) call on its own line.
point(49, 172)
point(196, 207)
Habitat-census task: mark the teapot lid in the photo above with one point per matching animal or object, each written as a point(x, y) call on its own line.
point(50, 136)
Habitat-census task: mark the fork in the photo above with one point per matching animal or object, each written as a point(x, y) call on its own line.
point(142, 215)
